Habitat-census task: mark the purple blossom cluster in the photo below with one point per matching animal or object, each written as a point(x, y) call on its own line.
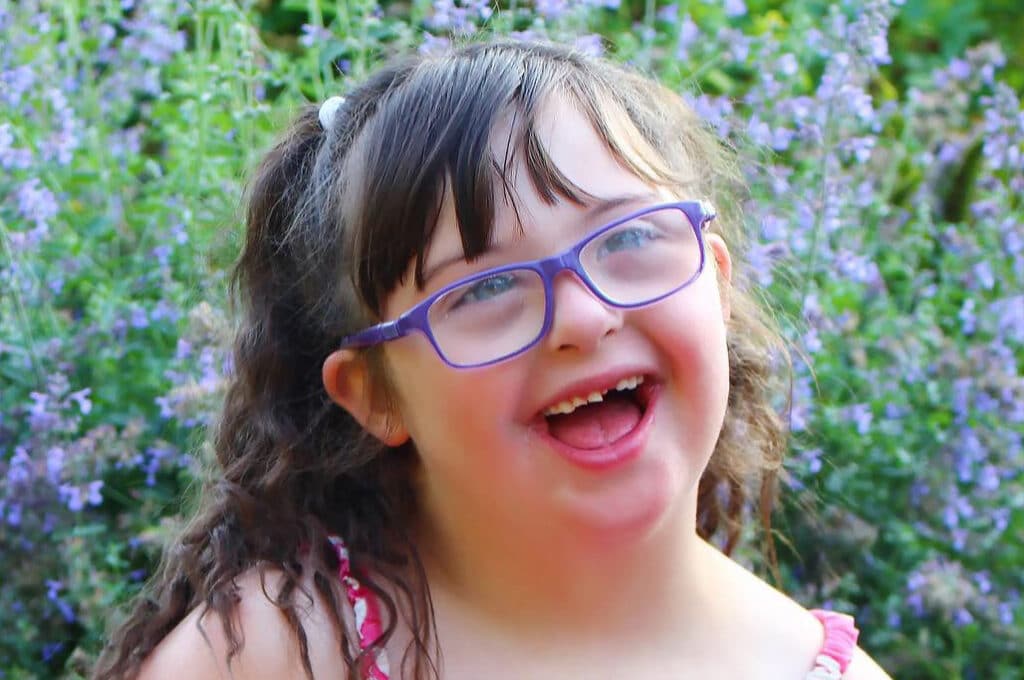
point(908, 416)
point(916, 357)
point(53, 479)
point(44, 464)
point(941, 587)
point(459, 17)
point(200, 369)
point(75, 93)
point(557, 20)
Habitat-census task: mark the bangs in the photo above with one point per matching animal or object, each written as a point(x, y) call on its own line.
point(432, 136)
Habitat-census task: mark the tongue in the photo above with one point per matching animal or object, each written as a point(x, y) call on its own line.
point(595, 425)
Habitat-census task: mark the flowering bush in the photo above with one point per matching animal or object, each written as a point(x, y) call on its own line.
point(887, 229)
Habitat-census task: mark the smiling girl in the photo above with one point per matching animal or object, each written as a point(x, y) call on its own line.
point(496, 386)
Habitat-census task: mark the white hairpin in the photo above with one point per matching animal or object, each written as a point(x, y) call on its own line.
point(328, 110)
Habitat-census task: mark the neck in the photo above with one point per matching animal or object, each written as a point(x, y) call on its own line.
point(559, 578)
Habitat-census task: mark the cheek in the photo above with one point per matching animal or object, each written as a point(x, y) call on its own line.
point(692, 337)
point(448, 411)
point(693, 322)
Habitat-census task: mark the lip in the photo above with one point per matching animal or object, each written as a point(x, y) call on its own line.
point(622, 450)
point(598, 383)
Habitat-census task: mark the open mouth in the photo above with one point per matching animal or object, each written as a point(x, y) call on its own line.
point(600, 418)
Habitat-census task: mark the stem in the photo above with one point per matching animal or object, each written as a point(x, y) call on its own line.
point(364, 38)
point(19, 306)
point(203, 51)
point(827, 143)
point(344, 21)
point(650, 13)
point(316, 18)
point(74, 41)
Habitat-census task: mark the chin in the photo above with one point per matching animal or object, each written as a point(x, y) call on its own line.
point(634, 507)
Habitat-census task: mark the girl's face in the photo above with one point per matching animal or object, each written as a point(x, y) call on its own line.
point(622, 467)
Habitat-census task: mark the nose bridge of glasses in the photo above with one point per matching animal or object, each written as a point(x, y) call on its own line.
point(569, 261)
point(567, 265)
point(578, 313)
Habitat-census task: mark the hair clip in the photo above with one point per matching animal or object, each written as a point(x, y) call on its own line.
point(328, 110)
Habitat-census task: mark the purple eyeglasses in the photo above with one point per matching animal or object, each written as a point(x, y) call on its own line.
point(502, 312)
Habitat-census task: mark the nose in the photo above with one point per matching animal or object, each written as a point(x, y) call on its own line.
point(580, 320)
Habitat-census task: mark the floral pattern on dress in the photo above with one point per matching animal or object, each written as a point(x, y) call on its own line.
point(364, 608)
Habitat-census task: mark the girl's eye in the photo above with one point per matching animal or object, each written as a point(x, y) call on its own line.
point(632, 236)
point(485, 289)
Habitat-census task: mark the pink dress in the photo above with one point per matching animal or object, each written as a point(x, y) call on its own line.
point(829, 664)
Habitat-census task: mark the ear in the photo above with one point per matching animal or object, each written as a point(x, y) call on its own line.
point(723, 264)
point(348, 382)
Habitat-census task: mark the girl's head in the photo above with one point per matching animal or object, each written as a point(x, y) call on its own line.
point(435, 169)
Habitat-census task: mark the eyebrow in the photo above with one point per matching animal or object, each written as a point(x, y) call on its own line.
point(599, 209)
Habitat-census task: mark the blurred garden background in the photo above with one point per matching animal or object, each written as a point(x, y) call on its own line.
point(886, 141)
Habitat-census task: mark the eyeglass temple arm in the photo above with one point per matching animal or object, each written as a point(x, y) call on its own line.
point(707, 212)
point(382, 332)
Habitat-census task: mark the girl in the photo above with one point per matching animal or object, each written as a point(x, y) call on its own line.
point(497, 384)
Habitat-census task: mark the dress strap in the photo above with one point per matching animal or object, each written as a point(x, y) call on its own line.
point(840, 643)
point(364, 607)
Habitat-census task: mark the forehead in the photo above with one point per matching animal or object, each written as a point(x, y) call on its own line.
point(579, 152)
point(575, 150)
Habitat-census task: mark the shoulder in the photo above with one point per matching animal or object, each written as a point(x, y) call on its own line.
point(863, 667)
point(787, 647)
point(198, 646)
point(749, 602)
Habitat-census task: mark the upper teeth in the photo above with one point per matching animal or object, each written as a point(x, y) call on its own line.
point(572, 403)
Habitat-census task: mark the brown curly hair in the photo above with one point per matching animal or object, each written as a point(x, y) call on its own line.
point(334, 217)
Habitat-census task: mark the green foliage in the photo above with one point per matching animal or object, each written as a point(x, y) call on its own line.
point(888, 232)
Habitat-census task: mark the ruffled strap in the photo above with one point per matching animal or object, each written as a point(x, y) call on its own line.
point(840, 643)
point(364, 607)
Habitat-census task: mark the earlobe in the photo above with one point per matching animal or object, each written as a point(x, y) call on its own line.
point(723, 264)
point(348, 382)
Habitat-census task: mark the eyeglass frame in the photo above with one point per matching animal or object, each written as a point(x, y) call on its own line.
point(416, 318)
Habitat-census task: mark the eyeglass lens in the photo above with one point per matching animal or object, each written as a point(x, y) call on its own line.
point(632, 263)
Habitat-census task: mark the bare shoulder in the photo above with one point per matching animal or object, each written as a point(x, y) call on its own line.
point(789, 645)
point(198, 647)
point(750, 602)
point(863, 667)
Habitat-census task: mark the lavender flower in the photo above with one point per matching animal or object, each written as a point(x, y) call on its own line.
point(72, 496)
point(150, 38)
point(735, 8)
point(960, 69)
point(590, 44)
point(717, 111)
point(11, 157)
point(552, 9)
point(139, 318)
point(968, 320)
point(1003, 137)
point(55, 459)
point(689, 34)
point(460, 16)
point(60, 146)
point(312, 35)
point(669, 13)
point(36, 204)
point(862, 417)
point(52, 590)
point(787, 64)
point(432, 44)
point(15, 83)
point(1010, 314)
